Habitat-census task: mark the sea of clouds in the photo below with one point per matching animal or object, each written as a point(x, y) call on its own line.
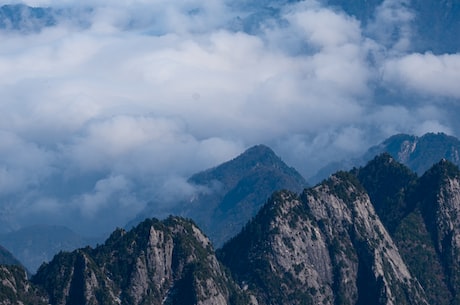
point(118, 102)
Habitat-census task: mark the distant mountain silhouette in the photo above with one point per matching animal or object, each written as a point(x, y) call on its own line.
point(6, 258)
point(20, 17)
point(37, 244)
point(418, 153)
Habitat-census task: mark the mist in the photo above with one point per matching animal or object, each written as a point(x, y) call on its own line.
point(113, 105)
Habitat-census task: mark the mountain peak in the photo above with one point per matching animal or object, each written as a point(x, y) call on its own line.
point(246, 183)
point(442, 170)
point(387, 182)
point(254, 157)
point(259, 151)
point(321, 241)
point(419, 153)
point(259, 148)
point(167, 260)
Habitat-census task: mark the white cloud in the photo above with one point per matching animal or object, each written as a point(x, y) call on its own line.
point(392, 25)
point(123, 108)
point(105, 190)
point(22, 164)
point(426, 74)
point(324, 27)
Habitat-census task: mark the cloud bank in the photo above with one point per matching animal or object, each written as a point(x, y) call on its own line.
point(117, 103)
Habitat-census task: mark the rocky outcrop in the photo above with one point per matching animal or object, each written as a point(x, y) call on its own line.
point(439, 201)
point(158, 262)
point(16, 289)
point(422, 217)
point(351, 225)
point(326, 247)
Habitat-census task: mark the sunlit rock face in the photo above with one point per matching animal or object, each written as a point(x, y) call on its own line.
point(169, 262)
point(327, 246)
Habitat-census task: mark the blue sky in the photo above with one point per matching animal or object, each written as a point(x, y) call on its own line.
point(120, 101)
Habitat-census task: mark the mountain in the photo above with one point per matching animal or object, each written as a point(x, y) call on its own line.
point(422, 217)
point(20, 17)
point(389, 185)
point(327, 246)
point(418, 153)
point(33, 19)
point(230, 194)
point(16, 289)
point(374, 235)
point(435, 25)
point(6, 258)
point(157, 262)
point(438, 201)
point(36, 244)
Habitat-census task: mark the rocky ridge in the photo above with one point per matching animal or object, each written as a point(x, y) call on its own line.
point(422, 217)
point(327, 246)
point(360, 237)
point(168, 262)
point(16, 289)
point(417, 153)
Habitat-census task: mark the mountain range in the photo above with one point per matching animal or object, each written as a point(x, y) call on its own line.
point(435, 24)
point(229, 195)
point(377, 234)
point(435, 27)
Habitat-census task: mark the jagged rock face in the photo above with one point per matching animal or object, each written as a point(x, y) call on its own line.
point(281, 255)
point(376, 274)
point(422, 217)
point(169, 262)
point(327, 247)
point(440, 205)
point(16, 289)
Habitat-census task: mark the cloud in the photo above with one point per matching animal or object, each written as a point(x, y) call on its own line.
point(23, 164)
point(392, 25)
point(118, 103)
point(103, 189)
point(425, 74)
